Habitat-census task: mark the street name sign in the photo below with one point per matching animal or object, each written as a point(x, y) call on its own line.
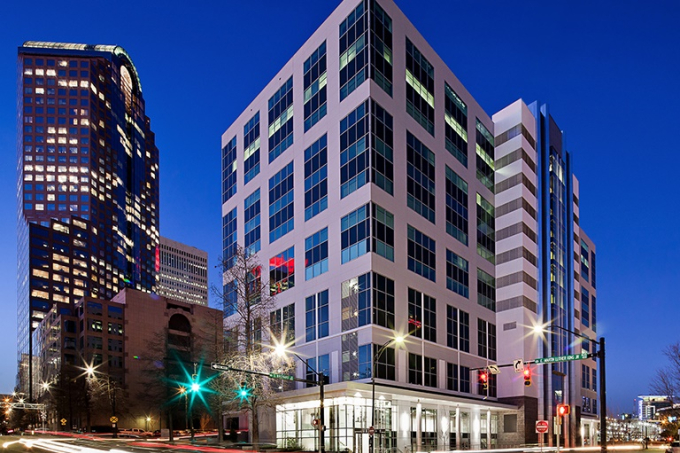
point(542, 426)
point(281, 376)
point(562, 358)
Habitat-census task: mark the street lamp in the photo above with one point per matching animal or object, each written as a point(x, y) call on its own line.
point(281, 351)
point(397, 340)
point(603, 381)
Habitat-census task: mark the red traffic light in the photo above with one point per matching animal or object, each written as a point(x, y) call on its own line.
point(483, 377)
point(315, 422)
point(527, 376)
point(563, 409)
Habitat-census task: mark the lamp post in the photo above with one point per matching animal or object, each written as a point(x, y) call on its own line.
point(397, 340)
point(183, 391)
point(600, 345)
point(111, 390)
point(281, 351)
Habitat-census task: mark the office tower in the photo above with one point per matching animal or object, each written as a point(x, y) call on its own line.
point(88, 183)
point(546, 275)
point(362, 176)
point(183, 272)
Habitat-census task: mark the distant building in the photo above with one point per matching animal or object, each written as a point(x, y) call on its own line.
point(183, 273)
point(87, 183)
point(649, 405)
point(138, 343)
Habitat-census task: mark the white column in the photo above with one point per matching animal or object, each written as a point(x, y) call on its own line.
point(458, 443)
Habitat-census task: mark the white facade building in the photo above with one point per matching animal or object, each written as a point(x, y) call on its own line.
point(183, 273)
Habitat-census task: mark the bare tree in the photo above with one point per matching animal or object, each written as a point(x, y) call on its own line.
point(248, 301)
point(667, 379)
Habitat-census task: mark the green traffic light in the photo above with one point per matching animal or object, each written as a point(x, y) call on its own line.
point(195, 387)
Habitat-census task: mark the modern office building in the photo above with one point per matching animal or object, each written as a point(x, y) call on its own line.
point(183, 273)
point(88, 183)
point(545, 270)
point(363, 176)
point(417, 215)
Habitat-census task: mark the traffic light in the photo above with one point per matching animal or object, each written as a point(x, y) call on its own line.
point(244, 393)
point(527, 376)
point(563, 409)
point(195, 386)
point(483, 377)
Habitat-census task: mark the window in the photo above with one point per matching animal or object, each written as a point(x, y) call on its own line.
point(281, 120)
point(486, 339)
point(457, 274)
point(281, 207)
point(485, 156)
point(486, 290)
point(354, 50)
point(316, 254)
point(585, 376)
point(353, 150)
point(415, 369)
point(356, 302)
point(593, 272)
point(229, 170)
point(323, 367)
point(593, 313)
point(486, 225)
point(419, 87)
point(455, 125)
point(229, 245)
point(464, 379)
point(282, 322)
point(382, 146)
point(421, 254)
point(282, 272)
point(452, 377)
point(422, 315)
point(385, 363)
point(381, 48)
point(383, 301)
point(316, 178)
point(251, 148)
point(456, 206)
point(365, 361)
point(252, 222)
point(355, 234)
point(594, 373)
point(585, 264)
point(316, 316)
point(430, 373)
point(585, 307)
point(315, 86)
point(383, 232)
point(420, 177)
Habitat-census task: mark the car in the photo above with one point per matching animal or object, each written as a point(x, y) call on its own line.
point(134, 432)
point(674, 447)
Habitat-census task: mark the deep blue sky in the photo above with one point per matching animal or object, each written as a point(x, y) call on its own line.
point(609, 69)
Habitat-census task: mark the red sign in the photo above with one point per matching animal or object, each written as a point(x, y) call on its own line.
point(371, 430)
point(541, 426)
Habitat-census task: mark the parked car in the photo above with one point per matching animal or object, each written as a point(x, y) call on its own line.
point(674, 447)
point(134, 432)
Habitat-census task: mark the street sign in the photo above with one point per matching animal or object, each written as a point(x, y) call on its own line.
point(562, 358)
point(542, 426)
point(518, 365)
point(217, 366)
point(493, 369)
point(114, 419)
point(281, 376)
point(371, 430)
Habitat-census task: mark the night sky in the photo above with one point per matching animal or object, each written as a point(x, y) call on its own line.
point(608, 69)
